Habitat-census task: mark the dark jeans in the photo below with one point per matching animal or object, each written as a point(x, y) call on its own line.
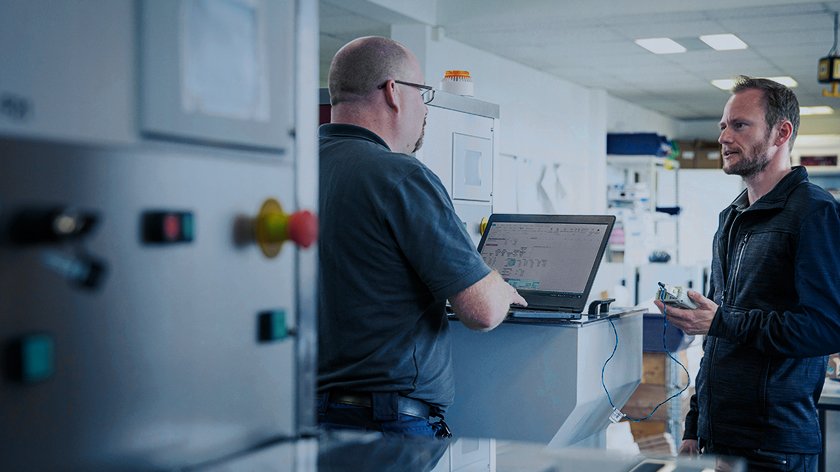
point(759, 460)
point(350, 417)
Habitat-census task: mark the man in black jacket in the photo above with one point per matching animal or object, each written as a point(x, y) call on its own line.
point(773, 312)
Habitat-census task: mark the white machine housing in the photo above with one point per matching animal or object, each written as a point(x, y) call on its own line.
point(461, 147)
point(163, 365)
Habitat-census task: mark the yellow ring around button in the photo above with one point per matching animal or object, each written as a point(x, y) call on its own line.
point(271, 227)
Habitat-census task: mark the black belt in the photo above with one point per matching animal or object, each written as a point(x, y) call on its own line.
point(405, 405)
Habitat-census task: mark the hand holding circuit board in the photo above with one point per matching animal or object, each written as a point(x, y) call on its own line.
point(688, 310)
point(675, 295)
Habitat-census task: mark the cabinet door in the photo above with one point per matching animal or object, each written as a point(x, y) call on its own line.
point(472, 167)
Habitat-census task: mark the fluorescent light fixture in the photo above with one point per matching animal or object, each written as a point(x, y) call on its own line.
point(660, 45)
point(724, 84)
point(727, 84)
point(821, 110)
point(723, 42)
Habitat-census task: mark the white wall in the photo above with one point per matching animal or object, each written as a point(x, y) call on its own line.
point(703, 194)
point(546, 122)
point(827, 124)
point(700, 129)
point(625, 117)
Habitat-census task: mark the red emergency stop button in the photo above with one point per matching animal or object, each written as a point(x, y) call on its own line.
point(303, 228)
point(273, 227)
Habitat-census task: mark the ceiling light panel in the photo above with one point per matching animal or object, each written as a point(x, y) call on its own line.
point(727, 84)
point(660, 45)
point(723, 42)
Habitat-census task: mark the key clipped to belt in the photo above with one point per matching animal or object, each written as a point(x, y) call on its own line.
point(442, 430)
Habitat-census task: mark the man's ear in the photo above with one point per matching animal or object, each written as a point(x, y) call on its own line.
point(391, 94)
point(785, 131)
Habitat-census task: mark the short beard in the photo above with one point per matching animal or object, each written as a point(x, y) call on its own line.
point(419, 142)
point(749, 166)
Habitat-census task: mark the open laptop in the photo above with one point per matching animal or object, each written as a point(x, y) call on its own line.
point(551, 260)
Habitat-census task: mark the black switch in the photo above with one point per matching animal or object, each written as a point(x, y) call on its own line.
point(168, 226)
point(50, 225)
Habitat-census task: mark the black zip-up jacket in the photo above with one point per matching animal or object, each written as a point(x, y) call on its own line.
point(776, 279)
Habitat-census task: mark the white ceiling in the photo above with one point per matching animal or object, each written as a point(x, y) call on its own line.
point(591, 43)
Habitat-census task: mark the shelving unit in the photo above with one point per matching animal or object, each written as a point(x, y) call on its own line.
point(827, 177)
point(827, 171)
point(637, 185)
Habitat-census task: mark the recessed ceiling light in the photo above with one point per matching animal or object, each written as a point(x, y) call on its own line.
point(724, 84)
point(727, 84)
point(785, 80)
point(723, 42)
point(660, 45)
point(820, 110)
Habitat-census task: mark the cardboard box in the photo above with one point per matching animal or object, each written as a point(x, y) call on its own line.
point(657, 445)
point(686, 155)
point(707, 155)
point(647, 428)
point(655, 367)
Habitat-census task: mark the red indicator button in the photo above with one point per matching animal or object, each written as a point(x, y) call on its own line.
point(171, 227)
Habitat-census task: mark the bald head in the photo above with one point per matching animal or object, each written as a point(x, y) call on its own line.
point(364, 64)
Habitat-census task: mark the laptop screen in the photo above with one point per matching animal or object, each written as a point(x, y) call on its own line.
point(550, 259)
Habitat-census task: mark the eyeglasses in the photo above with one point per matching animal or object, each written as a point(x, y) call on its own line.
point(427, 92)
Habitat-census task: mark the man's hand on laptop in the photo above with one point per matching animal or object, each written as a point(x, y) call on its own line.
point(484, 304)
point(516, 298)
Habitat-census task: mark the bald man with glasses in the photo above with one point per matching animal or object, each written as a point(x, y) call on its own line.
point(392, 251)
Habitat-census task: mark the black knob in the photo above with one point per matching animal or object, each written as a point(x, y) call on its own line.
point(80, 269)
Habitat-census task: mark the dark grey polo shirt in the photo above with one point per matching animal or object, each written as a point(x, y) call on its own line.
point(392, 250)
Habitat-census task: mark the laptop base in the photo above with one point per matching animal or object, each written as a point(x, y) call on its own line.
point(542, 315)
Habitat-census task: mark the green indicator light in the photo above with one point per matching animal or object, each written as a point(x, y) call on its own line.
point(37, 352)
point(278, 322)
point(187, 227)
point(272, 325)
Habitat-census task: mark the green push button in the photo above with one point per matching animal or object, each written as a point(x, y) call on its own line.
point(272, 325)
point(187, 227)
point(37, 352)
